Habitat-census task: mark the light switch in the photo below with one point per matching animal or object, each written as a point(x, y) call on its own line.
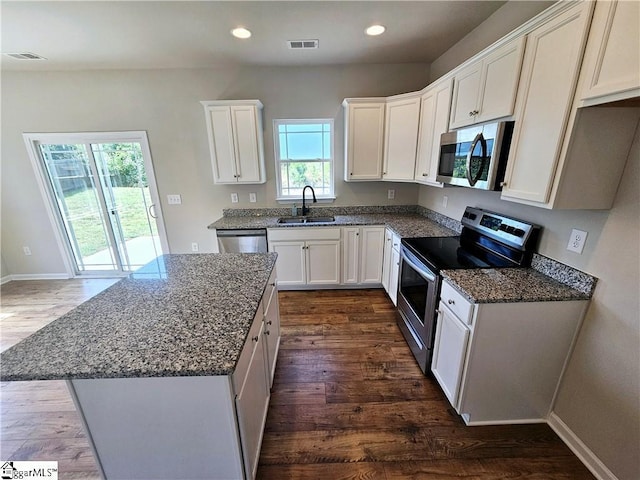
point(174, 199)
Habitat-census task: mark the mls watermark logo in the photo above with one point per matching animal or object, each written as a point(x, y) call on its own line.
point(21, 470)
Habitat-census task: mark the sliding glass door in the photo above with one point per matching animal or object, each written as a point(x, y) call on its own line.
point(102, 198)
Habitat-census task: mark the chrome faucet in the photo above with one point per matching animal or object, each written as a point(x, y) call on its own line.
point(305, 209)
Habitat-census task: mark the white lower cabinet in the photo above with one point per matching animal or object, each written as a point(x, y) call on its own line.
point(306, 256)
point(391, 264)
point(271, 327)
point(501, 363)
point(362, 253)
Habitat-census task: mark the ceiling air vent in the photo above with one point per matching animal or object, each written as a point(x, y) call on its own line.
point(25, 56)
point(302, 44)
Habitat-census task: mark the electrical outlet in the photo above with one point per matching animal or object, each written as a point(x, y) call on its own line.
point(234, 198)
point(26, 250)
point(194, 247)
point(174, 199)
point(252, 197)
point(576, 240)
point(391, 194)
point(445, 201)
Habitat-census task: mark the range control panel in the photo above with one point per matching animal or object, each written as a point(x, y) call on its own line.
point(503, 228)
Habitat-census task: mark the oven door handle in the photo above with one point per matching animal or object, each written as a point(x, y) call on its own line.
point(483, 144)
point(414, 263)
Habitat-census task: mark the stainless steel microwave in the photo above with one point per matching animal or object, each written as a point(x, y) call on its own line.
point(475, 157)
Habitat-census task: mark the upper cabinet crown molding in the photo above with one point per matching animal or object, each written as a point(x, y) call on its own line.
point(611, 67)
point(236, 140)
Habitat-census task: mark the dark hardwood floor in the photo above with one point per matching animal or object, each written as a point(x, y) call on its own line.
point(348, 401)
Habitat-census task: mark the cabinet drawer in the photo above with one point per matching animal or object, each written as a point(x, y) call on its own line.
point(244, 361)
point(304, 233)
point(459, 305)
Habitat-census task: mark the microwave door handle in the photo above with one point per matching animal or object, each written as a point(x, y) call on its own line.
point(483, 145)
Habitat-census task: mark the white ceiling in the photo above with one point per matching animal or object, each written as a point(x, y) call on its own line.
point(182, 34)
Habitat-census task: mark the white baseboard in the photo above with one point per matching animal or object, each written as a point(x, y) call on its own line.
point(590, 460)
point(35, 276)
point(5, 279)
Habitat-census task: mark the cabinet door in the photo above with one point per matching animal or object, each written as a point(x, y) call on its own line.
point(612, 63)
point(449, 353)
point(350, 254)
point(394, 267)
point(364, 133)
point(466, 89)
point(434, 121)
point(247, 151)
point(546, 90)
point(323, 262)
point(371, 254)
point(401, 139)
point(272, 334)
point(500, 75)
point(386, 260)
point(290, 264)
point(251, 404)
point(222, 145)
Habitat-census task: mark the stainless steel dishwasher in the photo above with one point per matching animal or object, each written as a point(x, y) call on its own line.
point(242, 241)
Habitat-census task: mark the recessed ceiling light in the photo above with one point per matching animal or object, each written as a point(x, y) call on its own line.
point(374, 30)
point(240, 32)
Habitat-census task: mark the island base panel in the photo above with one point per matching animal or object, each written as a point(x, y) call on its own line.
point(161, 428)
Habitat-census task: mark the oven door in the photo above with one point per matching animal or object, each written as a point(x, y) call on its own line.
point(417, 295)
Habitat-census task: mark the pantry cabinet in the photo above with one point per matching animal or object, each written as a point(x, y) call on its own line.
point(486, 89)
point(362, 253)
point(307, 257)
point(363, 138)
point(611, 67)
point(236, 141)
point(435, 104)
point(402, 116)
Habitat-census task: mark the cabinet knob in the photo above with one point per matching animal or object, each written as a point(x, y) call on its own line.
point(351, 173)
point(503, 184)
point(269, 322)
point(255, 339)
point(425, 174)
point(266, 332)
point(451, 302)
point(273, 284)
point(473, 113)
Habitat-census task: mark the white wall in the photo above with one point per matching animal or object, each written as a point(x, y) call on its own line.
point(599, 397)
point(165, 103)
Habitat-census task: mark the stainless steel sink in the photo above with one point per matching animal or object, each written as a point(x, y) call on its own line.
point(303, 220)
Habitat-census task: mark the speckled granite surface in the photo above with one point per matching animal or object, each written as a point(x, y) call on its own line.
point(180, 315)
point(581, 281)
point(404, 224)
point(506, 285)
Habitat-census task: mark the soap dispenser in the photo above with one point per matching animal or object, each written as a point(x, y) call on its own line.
point(294, 210)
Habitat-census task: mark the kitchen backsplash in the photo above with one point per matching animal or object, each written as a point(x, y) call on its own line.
point(320, 211)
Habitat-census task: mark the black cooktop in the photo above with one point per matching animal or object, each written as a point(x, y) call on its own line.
point(441, 253)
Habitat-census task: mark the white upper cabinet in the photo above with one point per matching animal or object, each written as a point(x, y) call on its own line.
point(611, 67)
point(402, 117)
point(235, 140)
point(363, 138)
point(486, 89)
point(435, 105)
point(547, 124)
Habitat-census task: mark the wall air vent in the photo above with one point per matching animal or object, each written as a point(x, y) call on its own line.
point(303, 44)
point(25, 56)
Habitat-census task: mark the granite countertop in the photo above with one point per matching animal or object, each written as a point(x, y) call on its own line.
point(508, 285)
point(180, 315)
point(404, 224)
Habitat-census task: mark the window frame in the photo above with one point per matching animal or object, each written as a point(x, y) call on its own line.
point(278, 161)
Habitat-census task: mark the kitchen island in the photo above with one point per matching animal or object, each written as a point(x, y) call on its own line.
point(170, 368)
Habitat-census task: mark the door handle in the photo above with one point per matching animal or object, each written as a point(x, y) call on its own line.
point(483, 145)
point(152, 209)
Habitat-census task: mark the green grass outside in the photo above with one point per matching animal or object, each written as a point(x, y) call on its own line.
point(85, 217)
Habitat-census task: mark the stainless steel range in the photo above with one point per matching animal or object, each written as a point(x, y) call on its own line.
point(488, 240)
